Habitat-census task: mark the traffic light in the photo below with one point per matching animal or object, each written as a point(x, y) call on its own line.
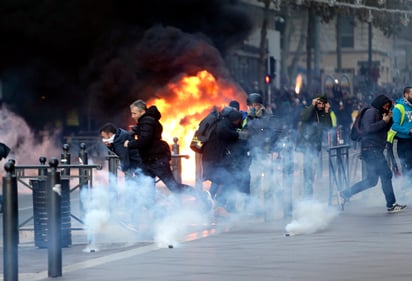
point(268, 79)
point(272, 67)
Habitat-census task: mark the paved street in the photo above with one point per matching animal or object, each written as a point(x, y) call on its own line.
point(361, 243)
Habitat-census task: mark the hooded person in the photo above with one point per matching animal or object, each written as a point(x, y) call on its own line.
point(154, 151)
point(375, 136)
point(217, 159)
point(315, 120)
point(375, 124)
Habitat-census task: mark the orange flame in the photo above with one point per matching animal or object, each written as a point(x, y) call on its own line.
point(298, 84)
point(186, 101)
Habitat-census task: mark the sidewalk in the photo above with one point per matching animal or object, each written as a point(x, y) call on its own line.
point(361, 243)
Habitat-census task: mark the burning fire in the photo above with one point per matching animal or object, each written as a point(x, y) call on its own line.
point(298, 84)
point(189, 100)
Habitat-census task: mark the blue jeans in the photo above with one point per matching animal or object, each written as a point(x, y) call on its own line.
point(310, 162)
point(376, 167)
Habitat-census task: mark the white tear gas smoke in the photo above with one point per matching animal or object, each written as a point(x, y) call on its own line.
point(135, 210)
point(26, 147)
point(171, 229)
point(310, 216)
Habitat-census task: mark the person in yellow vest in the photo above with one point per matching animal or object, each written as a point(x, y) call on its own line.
point(401, 130)
point(375, 122)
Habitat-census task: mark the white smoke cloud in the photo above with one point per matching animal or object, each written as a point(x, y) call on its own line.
point(172, 229)
point(136, 211)
point(310, 216)
point(26, 147)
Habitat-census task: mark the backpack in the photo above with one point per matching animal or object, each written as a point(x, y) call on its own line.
point(205, 129)
point(356, 131)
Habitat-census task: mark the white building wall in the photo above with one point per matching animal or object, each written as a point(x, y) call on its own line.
point(382, 47)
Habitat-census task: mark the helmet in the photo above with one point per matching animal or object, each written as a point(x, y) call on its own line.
point(254, 98)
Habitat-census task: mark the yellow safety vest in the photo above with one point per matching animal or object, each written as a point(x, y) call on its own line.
point(391, 133)
point(333, 118)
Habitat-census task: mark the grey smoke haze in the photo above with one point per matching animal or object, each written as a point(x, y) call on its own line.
point(26, 146)
point(55, 55)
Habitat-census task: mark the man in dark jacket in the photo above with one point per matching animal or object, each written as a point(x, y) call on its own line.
point(217, 159)
point(114, 138)
point(375, 123)
point(315, 120)
point(154, 151)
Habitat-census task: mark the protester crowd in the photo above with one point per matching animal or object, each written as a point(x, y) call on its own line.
point(244, 147)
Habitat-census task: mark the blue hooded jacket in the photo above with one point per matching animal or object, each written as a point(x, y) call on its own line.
point(402, 131)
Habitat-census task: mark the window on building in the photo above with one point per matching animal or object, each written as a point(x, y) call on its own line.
point(347, 32)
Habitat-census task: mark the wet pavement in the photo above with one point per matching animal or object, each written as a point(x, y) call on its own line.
point(361, 243)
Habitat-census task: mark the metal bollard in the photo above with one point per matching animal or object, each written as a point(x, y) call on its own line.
point(113, 162)
point(39, 187)
point(65, 159)
point(10, 224)
point(83, 182)
point(176, 161)
point(54, 221)
point(42, 171)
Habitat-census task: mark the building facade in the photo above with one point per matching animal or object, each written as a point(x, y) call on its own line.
point(364, 55)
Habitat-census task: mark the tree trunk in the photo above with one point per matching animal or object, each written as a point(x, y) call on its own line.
point(309, 48)
point(299, 48)
point(262, 45)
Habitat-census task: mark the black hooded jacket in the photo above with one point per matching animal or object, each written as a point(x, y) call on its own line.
point(148, 136)
point(373, 125)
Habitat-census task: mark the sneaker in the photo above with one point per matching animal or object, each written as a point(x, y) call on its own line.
point(396, 208)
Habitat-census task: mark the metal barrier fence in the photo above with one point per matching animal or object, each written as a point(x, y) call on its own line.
point(51, 208)
point(51, 203)
point(39, 184)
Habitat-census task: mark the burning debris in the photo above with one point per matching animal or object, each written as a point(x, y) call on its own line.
point(101, 56)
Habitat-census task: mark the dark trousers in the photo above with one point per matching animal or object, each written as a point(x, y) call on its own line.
point(404, 150)
point(161, 168)
point(376, 167)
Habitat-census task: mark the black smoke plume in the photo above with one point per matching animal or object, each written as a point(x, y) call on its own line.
point(57, 56)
